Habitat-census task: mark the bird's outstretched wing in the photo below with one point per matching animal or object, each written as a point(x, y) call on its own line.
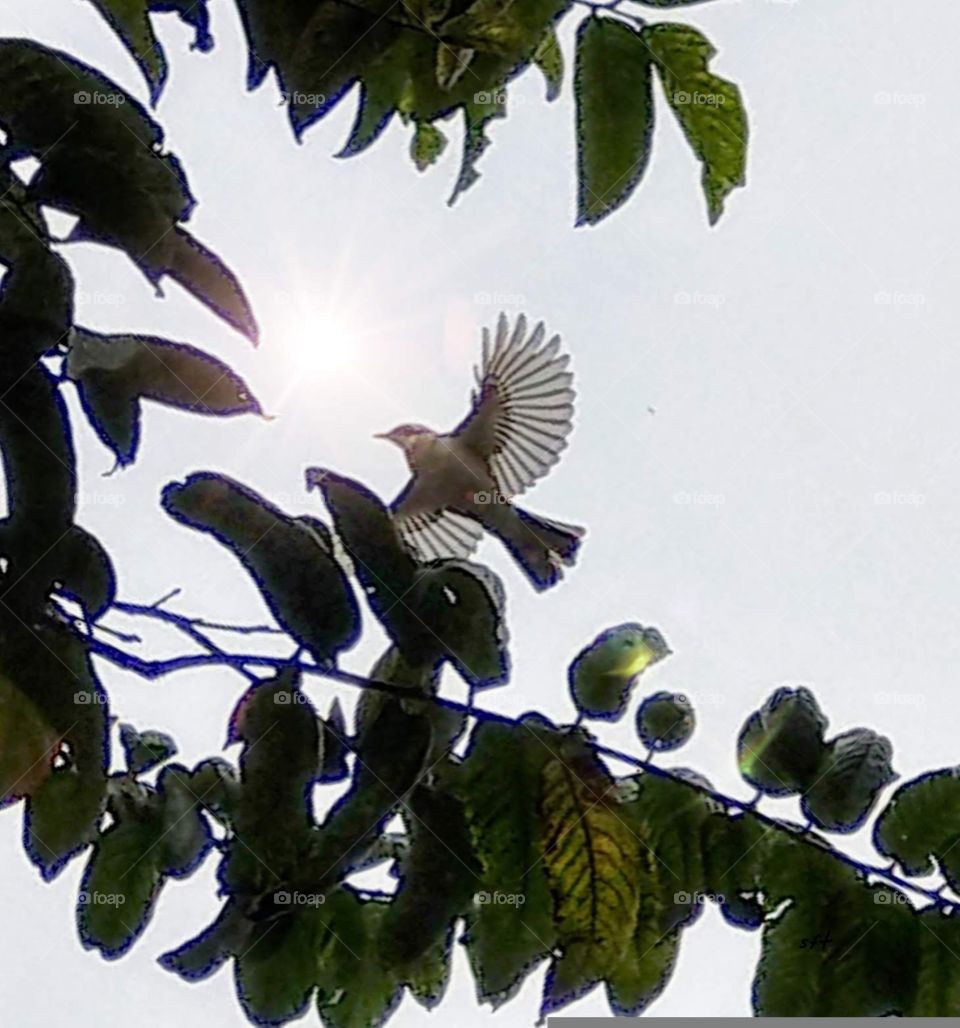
point(431, 533)
point(522, 407)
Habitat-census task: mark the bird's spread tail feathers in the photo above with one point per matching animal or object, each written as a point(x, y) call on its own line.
point(541, 546)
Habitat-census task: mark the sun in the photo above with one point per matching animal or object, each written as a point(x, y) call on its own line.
point(321, 343)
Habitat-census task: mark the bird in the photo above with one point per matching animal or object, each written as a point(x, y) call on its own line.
point(464, 482)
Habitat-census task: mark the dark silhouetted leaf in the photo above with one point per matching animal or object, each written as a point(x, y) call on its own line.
point(614, 115)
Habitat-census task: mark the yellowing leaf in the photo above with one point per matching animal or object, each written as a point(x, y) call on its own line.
point(591, 857)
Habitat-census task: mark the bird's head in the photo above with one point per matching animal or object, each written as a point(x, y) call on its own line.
point(407, 436)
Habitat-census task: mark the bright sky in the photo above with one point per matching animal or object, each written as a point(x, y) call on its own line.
point(787, 515)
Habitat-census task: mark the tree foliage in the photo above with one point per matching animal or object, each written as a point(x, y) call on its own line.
point(520, 839)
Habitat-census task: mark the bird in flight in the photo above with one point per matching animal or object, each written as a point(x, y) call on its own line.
point(464, 481)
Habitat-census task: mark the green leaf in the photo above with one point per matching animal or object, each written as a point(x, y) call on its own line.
point(119, 887)
point(84, 572)
point(665, 721)
point(464, 604)
point(709, 108)
point(145, 750)
point(114, 372)
point(781, 746)
point(427, 145)
point(603, 674)
point(438, 876)
point(62, 816)
point(186, 838)
point(511, 928)
point(938, 986)
point(277, 971)
point(292, 564)
point(130, 20)
point(920, 826)
point(839, 952)
point(202, 956)
point(52, 666)
point(477, 114)
point(669, 817)
point(612, 85)
point(356, 990)
point(548, 57)
point(853, 770)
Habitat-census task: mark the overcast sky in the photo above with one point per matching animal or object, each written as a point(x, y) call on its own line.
point(788, 514)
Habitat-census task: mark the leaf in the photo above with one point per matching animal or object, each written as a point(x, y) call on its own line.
point(838, 953)
point(428, 978)
point(921, 825)
point(477, 114)
point(356, 990)
point(129, 19)
point(427, 145)
point(709, 108)
point(114, 372)
point(186, 838)
point(603, 674)
point(781, 746)
point(512, 927)
point(301, 581)
point(452, 62)
point(41, 482)
point(385, 569)
point(854, 768)
point(145, 750)
point(938, 987)
point(101, 159)
point(52, 665)
point(334, 746)
point(83, 571)
point(438, 876)
point(200, 957)
point(612, 86)
point(28, 743)
point(591, 855)
point(650, 957)
point(669, 818)
point(119, 887)
point(665, 721)
point(463, 603)
point(548, 57)
point(276, 972)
